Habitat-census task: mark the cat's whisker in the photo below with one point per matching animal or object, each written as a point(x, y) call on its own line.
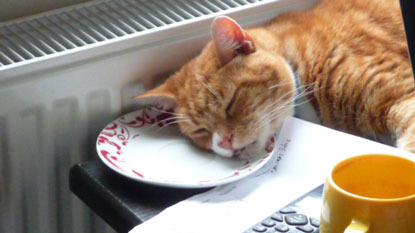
point(265, 124)
point(174, 118)
point(279, 85)
point(173, 113)
point(171, 123)
point(276, 110)
point(177, 117)
point(281, 111)
point(301, 103)
point(169, 119)
point(269, 116)
point(306, 86)
point(269, 119)
point(270, 106)
point(275, 103)
point(261, 122)
point(206, 84)
point(304, 91)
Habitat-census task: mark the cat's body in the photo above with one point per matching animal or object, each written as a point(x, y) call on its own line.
point(350, 55)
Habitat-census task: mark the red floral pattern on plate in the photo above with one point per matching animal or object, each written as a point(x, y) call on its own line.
point(116, 136)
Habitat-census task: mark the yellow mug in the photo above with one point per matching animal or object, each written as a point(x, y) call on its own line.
point(372, 193)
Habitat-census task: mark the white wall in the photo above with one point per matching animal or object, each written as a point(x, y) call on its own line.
point(51, 112)
point(12, 9)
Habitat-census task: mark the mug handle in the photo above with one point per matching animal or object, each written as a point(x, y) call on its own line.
point(357, 227)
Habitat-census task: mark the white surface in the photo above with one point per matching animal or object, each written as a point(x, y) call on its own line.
point(53, 109)
point(146, 146)
point(305, 154)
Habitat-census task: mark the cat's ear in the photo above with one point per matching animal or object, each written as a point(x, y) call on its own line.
point(160, 95)
point(230, 39)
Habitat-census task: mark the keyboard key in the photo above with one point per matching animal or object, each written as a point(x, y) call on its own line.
point(314, 222)
point(294, 231)
point(277, 217)
point(271, 230)
point(296, 219)
point(259, 228)
point(287, 210)
point(316, 231)
point(268, 222)
point(281, 227)
point(307, 229)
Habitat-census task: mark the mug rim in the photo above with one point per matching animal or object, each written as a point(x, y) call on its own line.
point(344, 192)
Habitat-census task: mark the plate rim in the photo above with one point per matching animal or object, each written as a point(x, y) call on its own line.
point(173, 184)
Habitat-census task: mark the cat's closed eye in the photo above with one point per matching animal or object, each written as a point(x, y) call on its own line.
point(229, 107)
point(243, 84)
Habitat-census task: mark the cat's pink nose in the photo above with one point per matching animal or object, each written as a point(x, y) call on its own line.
point(226, 142)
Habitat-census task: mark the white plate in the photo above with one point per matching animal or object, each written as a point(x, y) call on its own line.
point(143, 146)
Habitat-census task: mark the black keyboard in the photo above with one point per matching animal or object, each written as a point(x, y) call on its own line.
point(300, 216)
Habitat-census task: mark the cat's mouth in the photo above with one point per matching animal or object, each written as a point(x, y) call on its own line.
point(244, 151)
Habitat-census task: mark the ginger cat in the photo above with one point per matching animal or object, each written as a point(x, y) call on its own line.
point(351, 59)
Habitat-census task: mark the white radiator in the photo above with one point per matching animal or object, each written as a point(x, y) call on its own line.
point(65, 74)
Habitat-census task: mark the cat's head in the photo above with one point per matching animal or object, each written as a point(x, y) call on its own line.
point(234, 95)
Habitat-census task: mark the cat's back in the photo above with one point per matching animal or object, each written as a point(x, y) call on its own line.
point(359, 29)
point(372, 15)
point(355, 54)
point(344, 19)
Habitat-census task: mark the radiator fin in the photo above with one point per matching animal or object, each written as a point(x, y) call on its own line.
point(53, 109)
point(91, 23)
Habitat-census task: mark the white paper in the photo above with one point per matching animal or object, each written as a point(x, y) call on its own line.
point(305, 154)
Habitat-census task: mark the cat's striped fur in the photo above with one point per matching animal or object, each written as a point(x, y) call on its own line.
point(351, 56)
